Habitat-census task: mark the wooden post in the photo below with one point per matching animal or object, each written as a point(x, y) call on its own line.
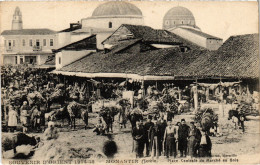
point(179, 92)
point(196, 101)
point(207, 94)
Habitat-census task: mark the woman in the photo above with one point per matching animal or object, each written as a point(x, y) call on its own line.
point(205, 145)
point(12, 118)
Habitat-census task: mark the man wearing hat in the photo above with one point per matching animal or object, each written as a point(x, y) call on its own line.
point(162, 124)
point(183, 133)
point(154, 134)
point(147, 139)
point(138, 137)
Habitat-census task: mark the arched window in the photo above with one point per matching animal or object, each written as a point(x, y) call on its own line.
point(166, 22)
point(110, 25)
point(59, 60)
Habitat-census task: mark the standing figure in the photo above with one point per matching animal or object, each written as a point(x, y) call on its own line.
point(25, 116)
point(183, 133)
point(162, 124)
point(12, 118)
point(205, 145)
point(194, 139)
point(147, 128)
point(138, 137)
point(155, 140)
point(170, 136)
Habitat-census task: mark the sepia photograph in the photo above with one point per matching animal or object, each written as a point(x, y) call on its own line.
point(129, 82)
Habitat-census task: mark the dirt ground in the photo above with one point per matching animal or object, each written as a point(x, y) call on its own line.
point(85, 144)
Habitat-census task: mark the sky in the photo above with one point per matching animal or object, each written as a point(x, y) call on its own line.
point(221, 19)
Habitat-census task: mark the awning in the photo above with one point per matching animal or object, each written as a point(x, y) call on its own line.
point(113, 75)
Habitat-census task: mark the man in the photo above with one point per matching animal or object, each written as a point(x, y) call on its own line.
point(154, 134)
point(194, 138)
point(162, 124)
point(138, 137)
point(51, 132)
point(25, 116)
point(170, 136)
point(147, 139)
point(183, 133)
point(100, 127)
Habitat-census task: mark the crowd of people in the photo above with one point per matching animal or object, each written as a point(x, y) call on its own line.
point(29, 93)
point(158, 137)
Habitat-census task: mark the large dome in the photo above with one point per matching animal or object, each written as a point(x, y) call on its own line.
point(178, 16)
point(116, 9)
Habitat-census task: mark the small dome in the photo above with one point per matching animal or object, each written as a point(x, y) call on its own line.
point(178, 16)
point(117, 9)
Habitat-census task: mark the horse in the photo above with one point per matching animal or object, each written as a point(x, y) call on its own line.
point(76, 110)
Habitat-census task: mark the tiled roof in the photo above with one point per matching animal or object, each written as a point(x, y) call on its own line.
point(149, 34)
point(29, 32)
point(161, 62)
point(85, 43)
point(200, 33)
point(238, 57)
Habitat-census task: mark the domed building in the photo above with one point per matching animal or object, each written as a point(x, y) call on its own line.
point(105, 19)
point(111, 15)
point(179, 16)
point(180, 21)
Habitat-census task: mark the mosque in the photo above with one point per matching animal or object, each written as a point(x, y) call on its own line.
point(35, 45)
point(109, 16)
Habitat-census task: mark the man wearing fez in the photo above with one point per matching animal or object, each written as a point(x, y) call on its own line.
point(147, 139)
point(138, 136)
point(183, 134)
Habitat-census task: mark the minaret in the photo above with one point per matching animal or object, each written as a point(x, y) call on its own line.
point(17, 23)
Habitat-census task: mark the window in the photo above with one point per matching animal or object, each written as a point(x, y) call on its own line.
point(37, 42)
point(44, 42)
point(174, 22)
point(21, 60)
point(167, 22)
point(51, 42)
point(30, 42)
point(9, 43)
point(181, 22)
point(23, 42)
point(59, 60)
point(13, 42)
point(16, 59)
point(110, 25)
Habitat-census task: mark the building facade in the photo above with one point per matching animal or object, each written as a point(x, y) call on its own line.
point(180, 21)
point(27, 46)
point(105, 19)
